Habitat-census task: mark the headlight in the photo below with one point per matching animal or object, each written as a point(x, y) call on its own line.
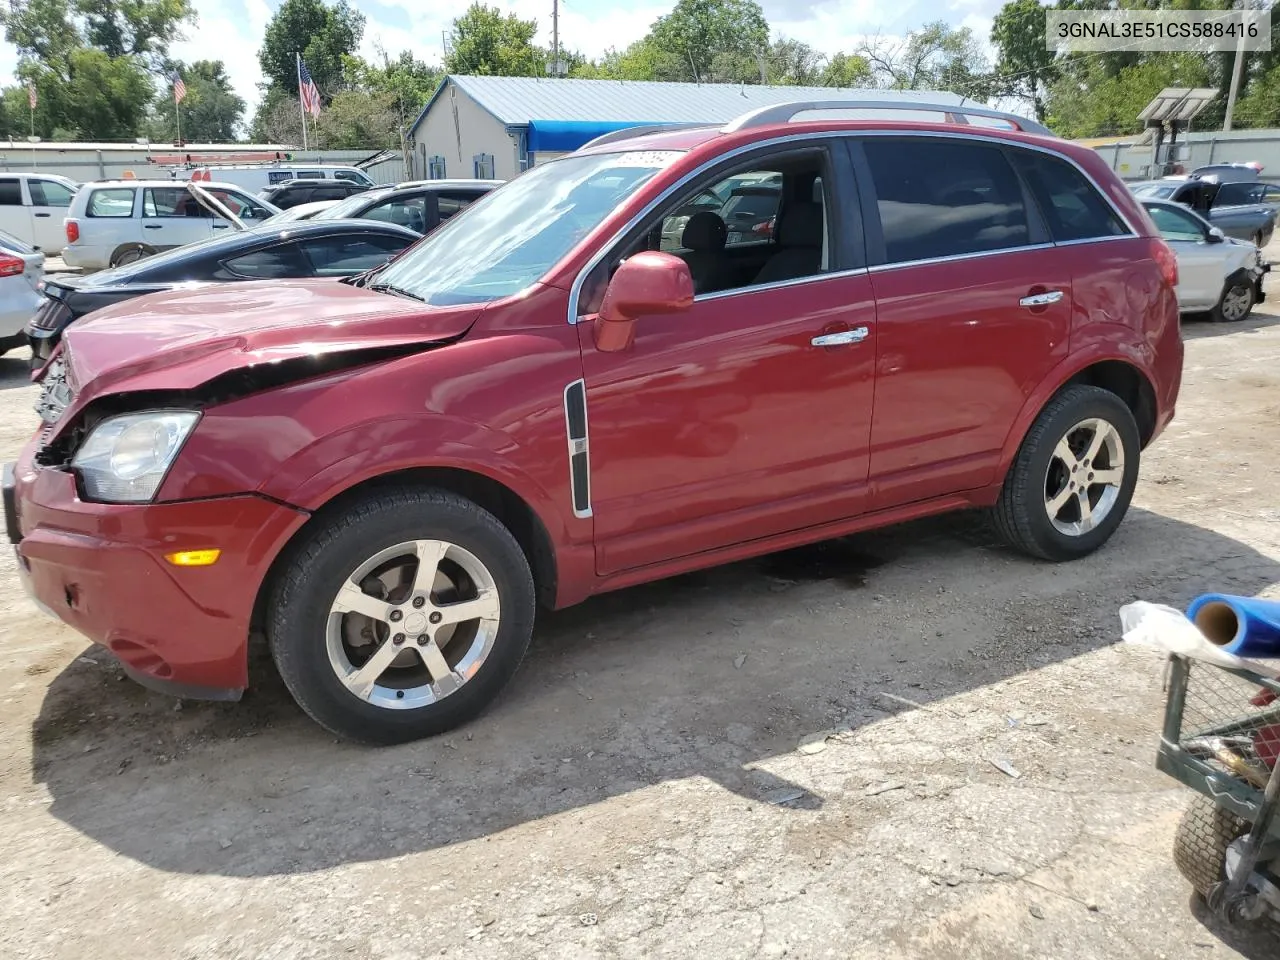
point(125, 458)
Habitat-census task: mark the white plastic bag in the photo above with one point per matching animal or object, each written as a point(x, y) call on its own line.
point(1164, 628)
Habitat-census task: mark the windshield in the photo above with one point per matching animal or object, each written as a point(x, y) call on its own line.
point(512, 236)
point(1155, 189)
point(348, 207)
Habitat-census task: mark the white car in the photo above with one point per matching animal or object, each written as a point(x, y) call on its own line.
point(257, 177)
point(1216, 273)
point(114, 222)
point(21, 270)
point(32, 207)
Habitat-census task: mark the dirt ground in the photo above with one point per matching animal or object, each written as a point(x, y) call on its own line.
point(638, 792)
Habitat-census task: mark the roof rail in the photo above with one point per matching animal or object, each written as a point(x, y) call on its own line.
point(784, 112)
point(641, 131)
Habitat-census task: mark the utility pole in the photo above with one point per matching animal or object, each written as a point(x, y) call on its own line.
point(1236, 70)
point(555, 68)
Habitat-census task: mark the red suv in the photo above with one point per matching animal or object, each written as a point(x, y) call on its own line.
point(385, 475)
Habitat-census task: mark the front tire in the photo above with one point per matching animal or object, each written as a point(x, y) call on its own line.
point(1237, 301)
point(401, 617)
point(1073, 477)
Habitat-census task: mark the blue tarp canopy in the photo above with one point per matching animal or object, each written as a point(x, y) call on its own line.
point(561, 136)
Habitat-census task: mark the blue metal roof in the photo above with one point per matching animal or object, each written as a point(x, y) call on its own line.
point(520, 101)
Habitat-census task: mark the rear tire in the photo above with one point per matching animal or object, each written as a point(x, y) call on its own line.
point(1064, 494)
point(1200, 843)
point(372, 652)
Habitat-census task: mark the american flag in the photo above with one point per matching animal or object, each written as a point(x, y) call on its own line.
point(179, 88)
point(32, 99)
point(307, 90)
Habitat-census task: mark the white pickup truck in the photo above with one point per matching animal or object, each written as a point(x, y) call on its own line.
point(33, 206)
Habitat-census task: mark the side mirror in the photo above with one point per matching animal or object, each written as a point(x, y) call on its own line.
point(647, 283)
point(1215, 236)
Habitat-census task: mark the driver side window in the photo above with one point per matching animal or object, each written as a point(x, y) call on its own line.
point(756, 224)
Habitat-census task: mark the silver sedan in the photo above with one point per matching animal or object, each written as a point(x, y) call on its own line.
point(21, 272)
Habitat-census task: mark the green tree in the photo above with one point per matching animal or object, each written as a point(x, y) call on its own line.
point(709, 40)
point(486, 42)
point(211, 110)
point(359, 120)
point(1096, 103)
point(845, 70)
point(1024, 67)
point(142, 28)
point(935, 57)
point(89, 61)
point(793, 63)
point(322, 34)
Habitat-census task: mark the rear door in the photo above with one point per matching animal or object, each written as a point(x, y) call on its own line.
point(15, 214)
point(973, 308)
point(49, 202)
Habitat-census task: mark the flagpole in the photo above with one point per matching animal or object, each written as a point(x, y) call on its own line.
point(177, 114)
point(301, 108)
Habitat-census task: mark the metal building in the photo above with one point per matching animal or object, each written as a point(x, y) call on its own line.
point(497, 126)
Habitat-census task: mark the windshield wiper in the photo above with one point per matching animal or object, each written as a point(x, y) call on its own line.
point(393, 289)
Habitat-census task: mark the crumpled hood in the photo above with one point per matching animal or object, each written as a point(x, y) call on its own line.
point(179, 339)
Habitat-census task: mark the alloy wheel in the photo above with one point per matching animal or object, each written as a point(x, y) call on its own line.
point(1084, 477)
point(412, 624)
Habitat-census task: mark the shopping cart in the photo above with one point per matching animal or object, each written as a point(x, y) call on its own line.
point(1222, 738)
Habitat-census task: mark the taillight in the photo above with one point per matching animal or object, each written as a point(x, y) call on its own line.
point(73, 231)
point(1165, 258)
point(11, 266)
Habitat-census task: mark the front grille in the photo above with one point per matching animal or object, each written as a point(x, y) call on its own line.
point(50, 315)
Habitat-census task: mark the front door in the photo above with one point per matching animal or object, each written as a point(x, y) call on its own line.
point(1201, 273)
point(173, 217)
point(49, 202)
point(15, 213)
point(748, 415)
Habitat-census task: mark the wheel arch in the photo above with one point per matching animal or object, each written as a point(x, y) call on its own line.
point(511, 510)
point(144, 248)
point(1126, 377)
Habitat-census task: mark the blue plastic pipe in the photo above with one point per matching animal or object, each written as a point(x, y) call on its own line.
point(1244, 626)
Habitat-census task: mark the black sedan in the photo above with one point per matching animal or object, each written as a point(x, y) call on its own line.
point(307, 248)
point(420, 205)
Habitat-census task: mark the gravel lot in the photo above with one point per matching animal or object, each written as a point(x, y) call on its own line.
point(622, 800)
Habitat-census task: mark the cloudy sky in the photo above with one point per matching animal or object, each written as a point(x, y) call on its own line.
point(231, 30)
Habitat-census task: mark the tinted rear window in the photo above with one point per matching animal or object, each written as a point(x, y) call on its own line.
point(944, 198)
point(1071, 205)
point(10, 193)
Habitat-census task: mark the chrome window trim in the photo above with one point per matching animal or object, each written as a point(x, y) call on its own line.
point(575, 289)
point(582, 446)
point(780, 284)
point(885, 267)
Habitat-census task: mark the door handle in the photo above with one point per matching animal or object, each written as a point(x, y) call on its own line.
point(1041, 299)
point(840, 339)
point(46, 215)
point(220, 226)
point(152, 226)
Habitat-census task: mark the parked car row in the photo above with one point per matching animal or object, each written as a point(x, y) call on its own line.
point(1230, 196)
point(332, 248)
point(547, 398)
